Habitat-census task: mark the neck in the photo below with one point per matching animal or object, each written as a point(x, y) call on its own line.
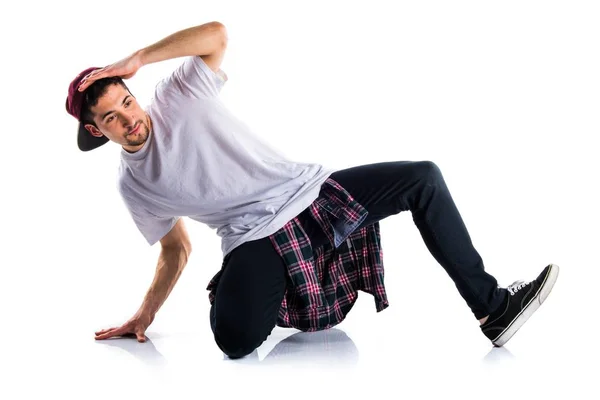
point(149, 123)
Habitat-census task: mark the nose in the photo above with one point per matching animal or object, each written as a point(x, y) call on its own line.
point(130, 121)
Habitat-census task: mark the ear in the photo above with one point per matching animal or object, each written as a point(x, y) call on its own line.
point(93, 130)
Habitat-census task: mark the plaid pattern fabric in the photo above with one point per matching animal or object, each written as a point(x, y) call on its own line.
point(323, 282)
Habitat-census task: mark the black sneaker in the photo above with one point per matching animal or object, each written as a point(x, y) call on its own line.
point(523, 298)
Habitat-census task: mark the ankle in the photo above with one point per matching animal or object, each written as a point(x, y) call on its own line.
point(482, 320)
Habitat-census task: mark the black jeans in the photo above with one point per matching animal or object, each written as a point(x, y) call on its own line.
point(252, 286)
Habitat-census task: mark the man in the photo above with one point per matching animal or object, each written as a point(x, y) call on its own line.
point(298, 240)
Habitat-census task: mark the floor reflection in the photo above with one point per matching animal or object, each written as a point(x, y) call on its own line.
point(331, 346)
point(498, 355)
point(145, 352)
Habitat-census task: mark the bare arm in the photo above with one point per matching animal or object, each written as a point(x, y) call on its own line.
point(205, 39)
point(174, 254)
point(171, 262)
point(208, 41)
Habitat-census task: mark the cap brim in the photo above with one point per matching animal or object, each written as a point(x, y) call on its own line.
point(86, 141)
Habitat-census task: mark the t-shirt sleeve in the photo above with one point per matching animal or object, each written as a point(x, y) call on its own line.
point(194, 78)
point(152, 227)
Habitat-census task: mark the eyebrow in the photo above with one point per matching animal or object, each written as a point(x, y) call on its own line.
point(112, 111)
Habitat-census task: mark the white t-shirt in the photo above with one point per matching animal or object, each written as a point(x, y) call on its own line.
point(200, 161)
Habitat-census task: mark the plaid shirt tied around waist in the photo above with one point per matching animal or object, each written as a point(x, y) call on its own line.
point(323, 282)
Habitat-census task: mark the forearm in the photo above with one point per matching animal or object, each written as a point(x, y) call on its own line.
point(171, 263)
point(199, 40)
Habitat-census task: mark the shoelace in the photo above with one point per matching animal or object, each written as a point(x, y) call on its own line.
point(516, 286)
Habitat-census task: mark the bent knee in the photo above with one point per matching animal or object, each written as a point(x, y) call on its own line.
point(234, 347)
point(236, 341)
point(428, 171)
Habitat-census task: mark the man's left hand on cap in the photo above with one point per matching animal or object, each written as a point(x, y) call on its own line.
point(126, 68)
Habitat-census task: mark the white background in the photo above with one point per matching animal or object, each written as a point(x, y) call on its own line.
point(502, 96)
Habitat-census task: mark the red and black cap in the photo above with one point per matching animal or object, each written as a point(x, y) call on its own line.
point(85, 140)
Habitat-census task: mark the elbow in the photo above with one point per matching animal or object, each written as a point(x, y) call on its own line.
point(220, 28)
point(218, 25)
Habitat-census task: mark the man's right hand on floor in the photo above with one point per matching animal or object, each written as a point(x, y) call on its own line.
point(135, 327)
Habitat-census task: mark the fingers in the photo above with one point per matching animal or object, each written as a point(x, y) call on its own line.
point(96, 74)
point(111, 333)
point(85, 83)
point(122, 331)
point(139, 333)
point(104, 331)
point(91, 77)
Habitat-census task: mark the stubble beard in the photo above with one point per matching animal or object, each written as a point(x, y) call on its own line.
point(140, 138)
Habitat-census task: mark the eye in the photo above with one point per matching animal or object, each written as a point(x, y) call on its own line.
point(109, 119)
point(128, 103)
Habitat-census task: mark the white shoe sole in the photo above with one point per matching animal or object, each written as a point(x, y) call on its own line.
point(530, 308)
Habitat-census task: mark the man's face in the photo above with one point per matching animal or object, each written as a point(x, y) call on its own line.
point(120, 118)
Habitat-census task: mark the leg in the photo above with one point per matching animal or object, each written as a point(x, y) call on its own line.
point(248, 297)
point(388, 188)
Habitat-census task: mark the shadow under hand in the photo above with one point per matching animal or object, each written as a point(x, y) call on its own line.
point(327, 347)
point(145, 352)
